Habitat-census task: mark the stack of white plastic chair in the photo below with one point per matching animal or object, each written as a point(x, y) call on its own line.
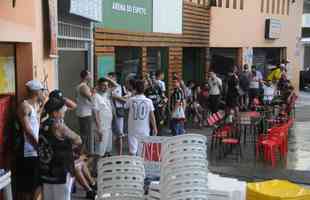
point(121, 178)
point(154, 191)
point(221, 188)
point(184, 168)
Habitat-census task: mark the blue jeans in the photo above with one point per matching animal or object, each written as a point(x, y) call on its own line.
point(177, 127)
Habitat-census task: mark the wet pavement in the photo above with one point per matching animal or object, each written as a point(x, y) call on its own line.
point(296, 168)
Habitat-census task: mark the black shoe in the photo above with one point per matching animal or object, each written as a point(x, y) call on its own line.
point(90, 195)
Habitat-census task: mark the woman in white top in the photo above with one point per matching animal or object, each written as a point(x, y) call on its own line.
point(103, 116)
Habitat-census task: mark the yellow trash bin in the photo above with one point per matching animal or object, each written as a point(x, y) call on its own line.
point(276, 190)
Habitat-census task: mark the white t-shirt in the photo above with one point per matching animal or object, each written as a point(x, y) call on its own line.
point(268, 92)
point(140, 108)
point(215, 86)
point(118, 92)
point(255, 80)
point(162, 85)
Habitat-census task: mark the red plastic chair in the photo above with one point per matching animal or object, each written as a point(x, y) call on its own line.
point(270, 147)
point(219, 134)
point(277, 138)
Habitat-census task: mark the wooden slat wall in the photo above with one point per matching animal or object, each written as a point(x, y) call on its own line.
point(196, 23)
point(195, 33)
point(175, 63)
point(144, 61)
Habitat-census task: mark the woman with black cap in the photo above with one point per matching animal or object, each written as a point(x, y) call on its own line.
point(56, 151)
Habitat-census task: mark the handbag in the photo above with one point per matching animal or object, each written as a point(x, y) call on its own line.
point(179, 113)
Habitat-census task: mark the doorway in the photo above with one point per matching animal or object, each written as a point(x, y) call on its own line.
point(127, 61)
point(194, 60)
point(70, 64)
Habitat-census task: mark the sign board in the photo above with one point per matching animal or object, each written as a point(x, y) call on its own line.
point(272, 29)
point(90, 9)
point(167, 16)
point(131, 15)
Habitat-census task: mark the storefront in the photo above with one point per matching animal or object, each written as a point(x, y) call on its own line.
point(23, 56)
point(194, 60)
point(224, 59)
point(170, 36)
point(265, 57)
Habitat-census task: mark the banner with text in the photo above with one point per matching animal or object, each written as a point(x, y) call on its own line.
point(131, 15)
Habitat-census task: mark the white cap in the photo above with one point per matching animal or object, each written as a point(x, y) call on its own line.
point(272, 67)
point(34, 85)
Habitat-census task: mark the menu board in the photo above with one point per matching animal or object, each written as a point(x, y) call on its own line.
point(91, 9)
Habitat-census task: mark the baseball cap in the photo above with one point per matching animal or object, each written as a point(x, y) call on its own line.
point(34, 85)
point(54, 104)
point(56, 94)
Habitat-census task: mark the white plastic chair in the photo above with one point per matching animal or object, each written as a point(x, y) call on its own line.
point(184, 174)
point(225, 188)
point(154, 191)
point(5, 185)
point(120, 178)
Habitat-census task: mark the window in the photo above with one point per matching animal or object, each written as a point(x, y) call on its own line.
point(273, 6)
point(283, 7)
point(220, 3)
point(268, 6)
point(227, 3)
point(241, 4)
point(213, 3)
point(278, 6)
point(235, 4)
point(288, 7)
point(262, 5)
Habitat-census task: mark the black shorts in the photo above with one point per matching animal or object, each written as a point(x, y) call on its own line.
point(27, 174)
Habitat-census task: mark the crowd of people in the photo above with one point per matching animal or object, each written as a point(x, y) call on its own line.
point(51, 155)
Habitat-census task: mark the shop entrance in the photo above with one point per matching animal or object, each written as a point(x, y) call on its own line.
point(70, 64)
point(157, 59)
point(223, 59)
point(194, 64)
point(128, 60)
point(263, 57)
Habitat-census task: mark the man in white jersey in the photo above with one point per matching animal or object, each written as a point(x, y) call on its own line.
point(27, 160)
point(141, 115)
